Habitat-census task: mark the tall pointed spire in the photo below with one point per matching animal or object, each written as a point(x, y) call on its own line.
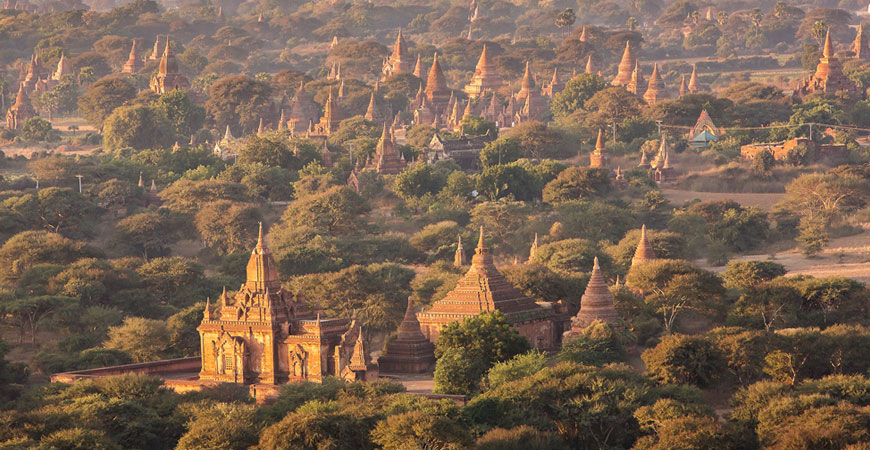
point(486, 76)
point(583, 37)
point(418, 67)
point(598, 159)
point(860, 46)
point(459, 258)
point(626, 65)
point(134, 63)
point(596, 303)
point(410, 351)
point(644, 252)
point(534, 249)
point(655, 91)
point(683, 88)
point(436, 90)
point(590, 68)
point(481, 241)
point(829, 47)
point(693, 80)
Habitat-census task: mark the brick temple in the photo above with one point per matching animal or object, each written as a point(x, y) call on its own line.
point(485, 289)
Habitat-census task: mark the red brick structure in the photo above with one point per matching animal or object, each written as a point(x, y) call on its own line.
point(410, 351)
point(485, 289)
point(780, 149)
point(388, 160)
point(655, 91)
point(459, 258)
point(644, 252)
point(266, 335)
point(596, 304)
point(400, 61)
point(168, 78)
point(304, 112)
point(437, 92)
point(626, 66)
point(134, 63)
point(829, 77)
point(598, 159)
point(20, 111)
point(635, 84)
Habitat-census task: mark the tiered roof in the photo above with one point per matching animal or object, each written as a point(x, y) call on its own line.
point(486, 76)
point(626, 65)
point(655, 91)
point(644, 252)
point(596, 303)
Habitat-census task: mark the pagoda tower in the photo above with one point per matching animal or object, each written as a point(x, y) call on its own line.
point(459, 258)
point(20, 111)
point(485, 289)
point(410, 351)
point(598, 159)
point(534, 105)
point(437, 91)
point(534, 249)
point(862, 51)
point(64, 68)
point(331, 119)
point(683, 88)
point(590, 66)
point(644, 252)
point(655, 91)
point(596, 304)
point(635, 85)
point(418, 67)
point(486, 76)
point(583, 36)
point(32, 75)
point(400, 61)
point(155, 52)
point(387, 159)
point(374, 112)
point(626, 64)
point(168, 78)
point(303, 112)
point(693, 85)
point(134, 63)
point(829, 77)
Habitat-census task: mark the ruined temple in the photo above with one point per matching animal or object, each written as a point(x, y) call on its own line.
point(829, 77)
point(485, 289)
point(387, 160)
point(134, 63)
point(303, 113)
point(266, 335)
point(400, 61)
point(20, 111)
point(598, 159)
point(533, 106)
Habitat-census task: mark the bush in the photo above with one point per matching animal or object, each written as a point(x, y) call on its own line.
point(685, 359)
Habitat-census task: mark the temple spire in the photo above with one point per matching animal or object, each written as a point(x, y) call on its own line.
point(829, 47)
point(481, 242)
point(644, 252)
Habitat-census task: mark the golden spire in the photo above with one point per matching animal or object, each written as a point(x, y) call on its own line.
point(481, 242)
point(829, 48)
point(599, 143)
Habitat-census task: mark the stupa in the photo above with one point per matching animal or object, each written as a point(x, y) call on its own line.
point(486, 76)
point(644, 252)
point(410, 351)
point(596, 304)
point(626, 65)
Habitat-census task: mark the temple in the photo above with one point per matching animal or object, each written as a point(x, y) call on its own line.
point(596, 304)
point(693, 85)
point(860, 47)
point(533, 104)
point(598, 159)
point(655, 91)
point(661, 164)
point(410, 351)
point(485, 289)
point(437, 93)
point(134, 63)
point(705, 132)
point(388, 160)
point(486, 76)
point(829, 77)
point(265, 335)
point(400, 61)
point(167, 77)
point(20, 111)
point(635, 84)
point(303, 113)
point(626, 65)
point(644, 252)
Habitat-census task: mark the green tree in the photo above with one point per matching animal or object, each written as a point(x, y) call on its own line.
point(597, 345)
point(335, 211)
point(437, 426)
point(136, 126)
point(685, 360)
point(271, 149)
point(183, 115)
point(565, 19)
point(102, 97)
point(61, 99)
point(813, 235)
point(577, 91)
point(508, 180)
point(29, 312)
point(418, 180)
point(473, 346)
point(38, 129)
point(149, 233)
point(30, 248)
point(478, 126)
point(575, 183)
point(221, 426)
point(143, 339)
point(500, 151)
point(238, 101)
point(227, 226)
point(749, 275)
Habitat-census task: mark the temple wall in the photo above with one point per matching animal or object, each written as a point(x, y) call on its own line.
point(166, 366)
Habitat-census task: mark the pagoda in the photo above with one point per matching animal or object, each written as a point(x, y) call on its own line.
point(705, 132)
point(418, 67)
point(534, 105)
point(598, 159)
point(655, 91)
point(644, 252)
point(661, 164)
point(400, 61)
point(590, 66)
point(829, 77)
point(155, 52)
point(626, 65)
point(459, 258)
point(437, 92)
point(693, 86)
point(554, 86)
point(486, 76)
point(596, 304)
point(387, 160)
point(303, 113)
point(64, 68)
point(133, 64)
point(266, 335)
point(683, 88)
point(373, 112)
point(634, 86)
point(168, 78)
point(534, 249)
point(331, 119)
point(410, 351)
point(859, 47)
point(20, 111)
point(485, 289)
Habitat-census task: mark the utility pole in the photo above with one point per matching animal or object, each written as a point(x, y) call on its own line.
point(659, 125)
point(811, 131)
point(80, 183)
point(37, 183)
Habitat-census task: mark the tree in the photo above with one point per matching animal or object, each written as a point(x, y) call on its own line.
point(665, 244)
point(500, 151)
point(478, 126)
point(538, 141)
point(519, 366)
point(270, 149)
point(570, 256)
point(577, 91)
point(673, 286)
point(749, 275)
point(522, 437)
point(467, 349)
point(262, 181)
point(182, 114)
point(148, 232)
point(143, 339)
point(168, 276)
point(227, 226)
point(62, 210)
point(61, 99)
point(335, 211)
point(29, 248)
point(566, 19)
point(612, 105)
point(221, 426)
point(438, 425)
point(38, 129)
point(597, 345)
point(685, 360)
point(576, 183)
point(238, 101)
point(103, 97)
point(813, 235)
point(187, 196)
point(763, 162)
point(418, 180)
point(508, 180)
point(30, 311)
point(137, 126)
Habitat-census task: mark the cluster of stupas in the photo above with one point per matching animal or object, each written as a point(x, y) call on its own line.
point(33, 81)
